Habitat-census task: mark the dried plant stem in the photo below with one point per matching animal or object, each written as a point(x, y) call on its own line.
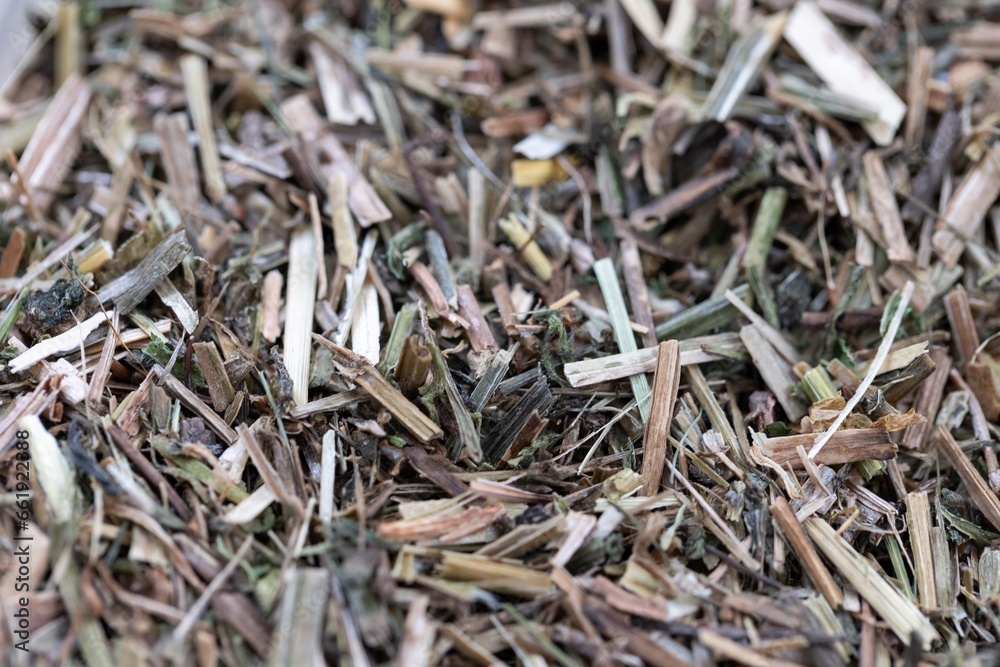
point(358, 370)
point(607, 277)
point(772, 205)
point(345, 235)
point(918, 523)
point(196, 86)
point(843, 69)
point(903, 616)
point(883, 201)
point(67, 341)
point(848, 445)
point(666, 382)
point(806, 552)
point(979, 491)
point(525, 244)
point(68, 42)
point(300, 302)
point(775, 371)
point(477, 221)
point(616, 366)
point(967, 208)
point(873, 370)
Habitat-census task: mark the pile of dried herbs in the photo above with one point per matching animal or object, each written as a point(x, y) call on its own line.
point(609, 332)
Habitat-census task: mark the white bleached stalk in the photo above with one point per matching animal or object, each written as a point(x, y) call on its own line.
point(51, 467)
point(365, 332)
point(328, 475)
point(873, 370)
point(301, 302)
point(843, 69)
point(64, 342)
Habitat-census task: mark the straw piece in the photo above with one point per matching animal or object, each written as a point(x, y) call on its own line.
point(928, 400)
point(214, 372)
point(267, 471)
point(419, 634)
point(607, 277)
point(494, 575)
point(345, 236)
point(317, 230)
point(917, 94)
point(477, 218)
point(99, 378)
point(250, 507)
point(194, 70)
point(646, 18)
point(178, 159)
point(666, 382)
point(411, 369)
point(746, 58)
point(51, 467)
point(359, 370)
point(772, 205)
point(480, 336)
point(329, 403)
point(709, 403)
point(71, 339)
point(365, 203)
point(967, 208)
point(343, 98)
point(536, 400)
point(845, 446)
point(300, 302)
point(438, 255)
point(963, 326)
point(13, 252)
point(432, 288)
point(905, 619)
point(941, 555)
point(873, 370)
point(53, 147)
point(773, 336)
point(983, 377)
point(979, 491)
point(688, 195)
point(806, 552)
point(703, 317)
point(191, 401)
point(677, 34)
point(925, 185)
point(731, 650)
point(909, 379)
point(68, 41)
point(304, 593)
point(131, 288)
point(843, 69)
point(173, 299)
point(468, 442)
point(367, 326)
point(493, 375)
point(638, 293)
point(698, 350)
point(526, 246)
point(270, 305)
point(883, 201)
point(775, 371)
point(918, 523)
point(447, 525)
